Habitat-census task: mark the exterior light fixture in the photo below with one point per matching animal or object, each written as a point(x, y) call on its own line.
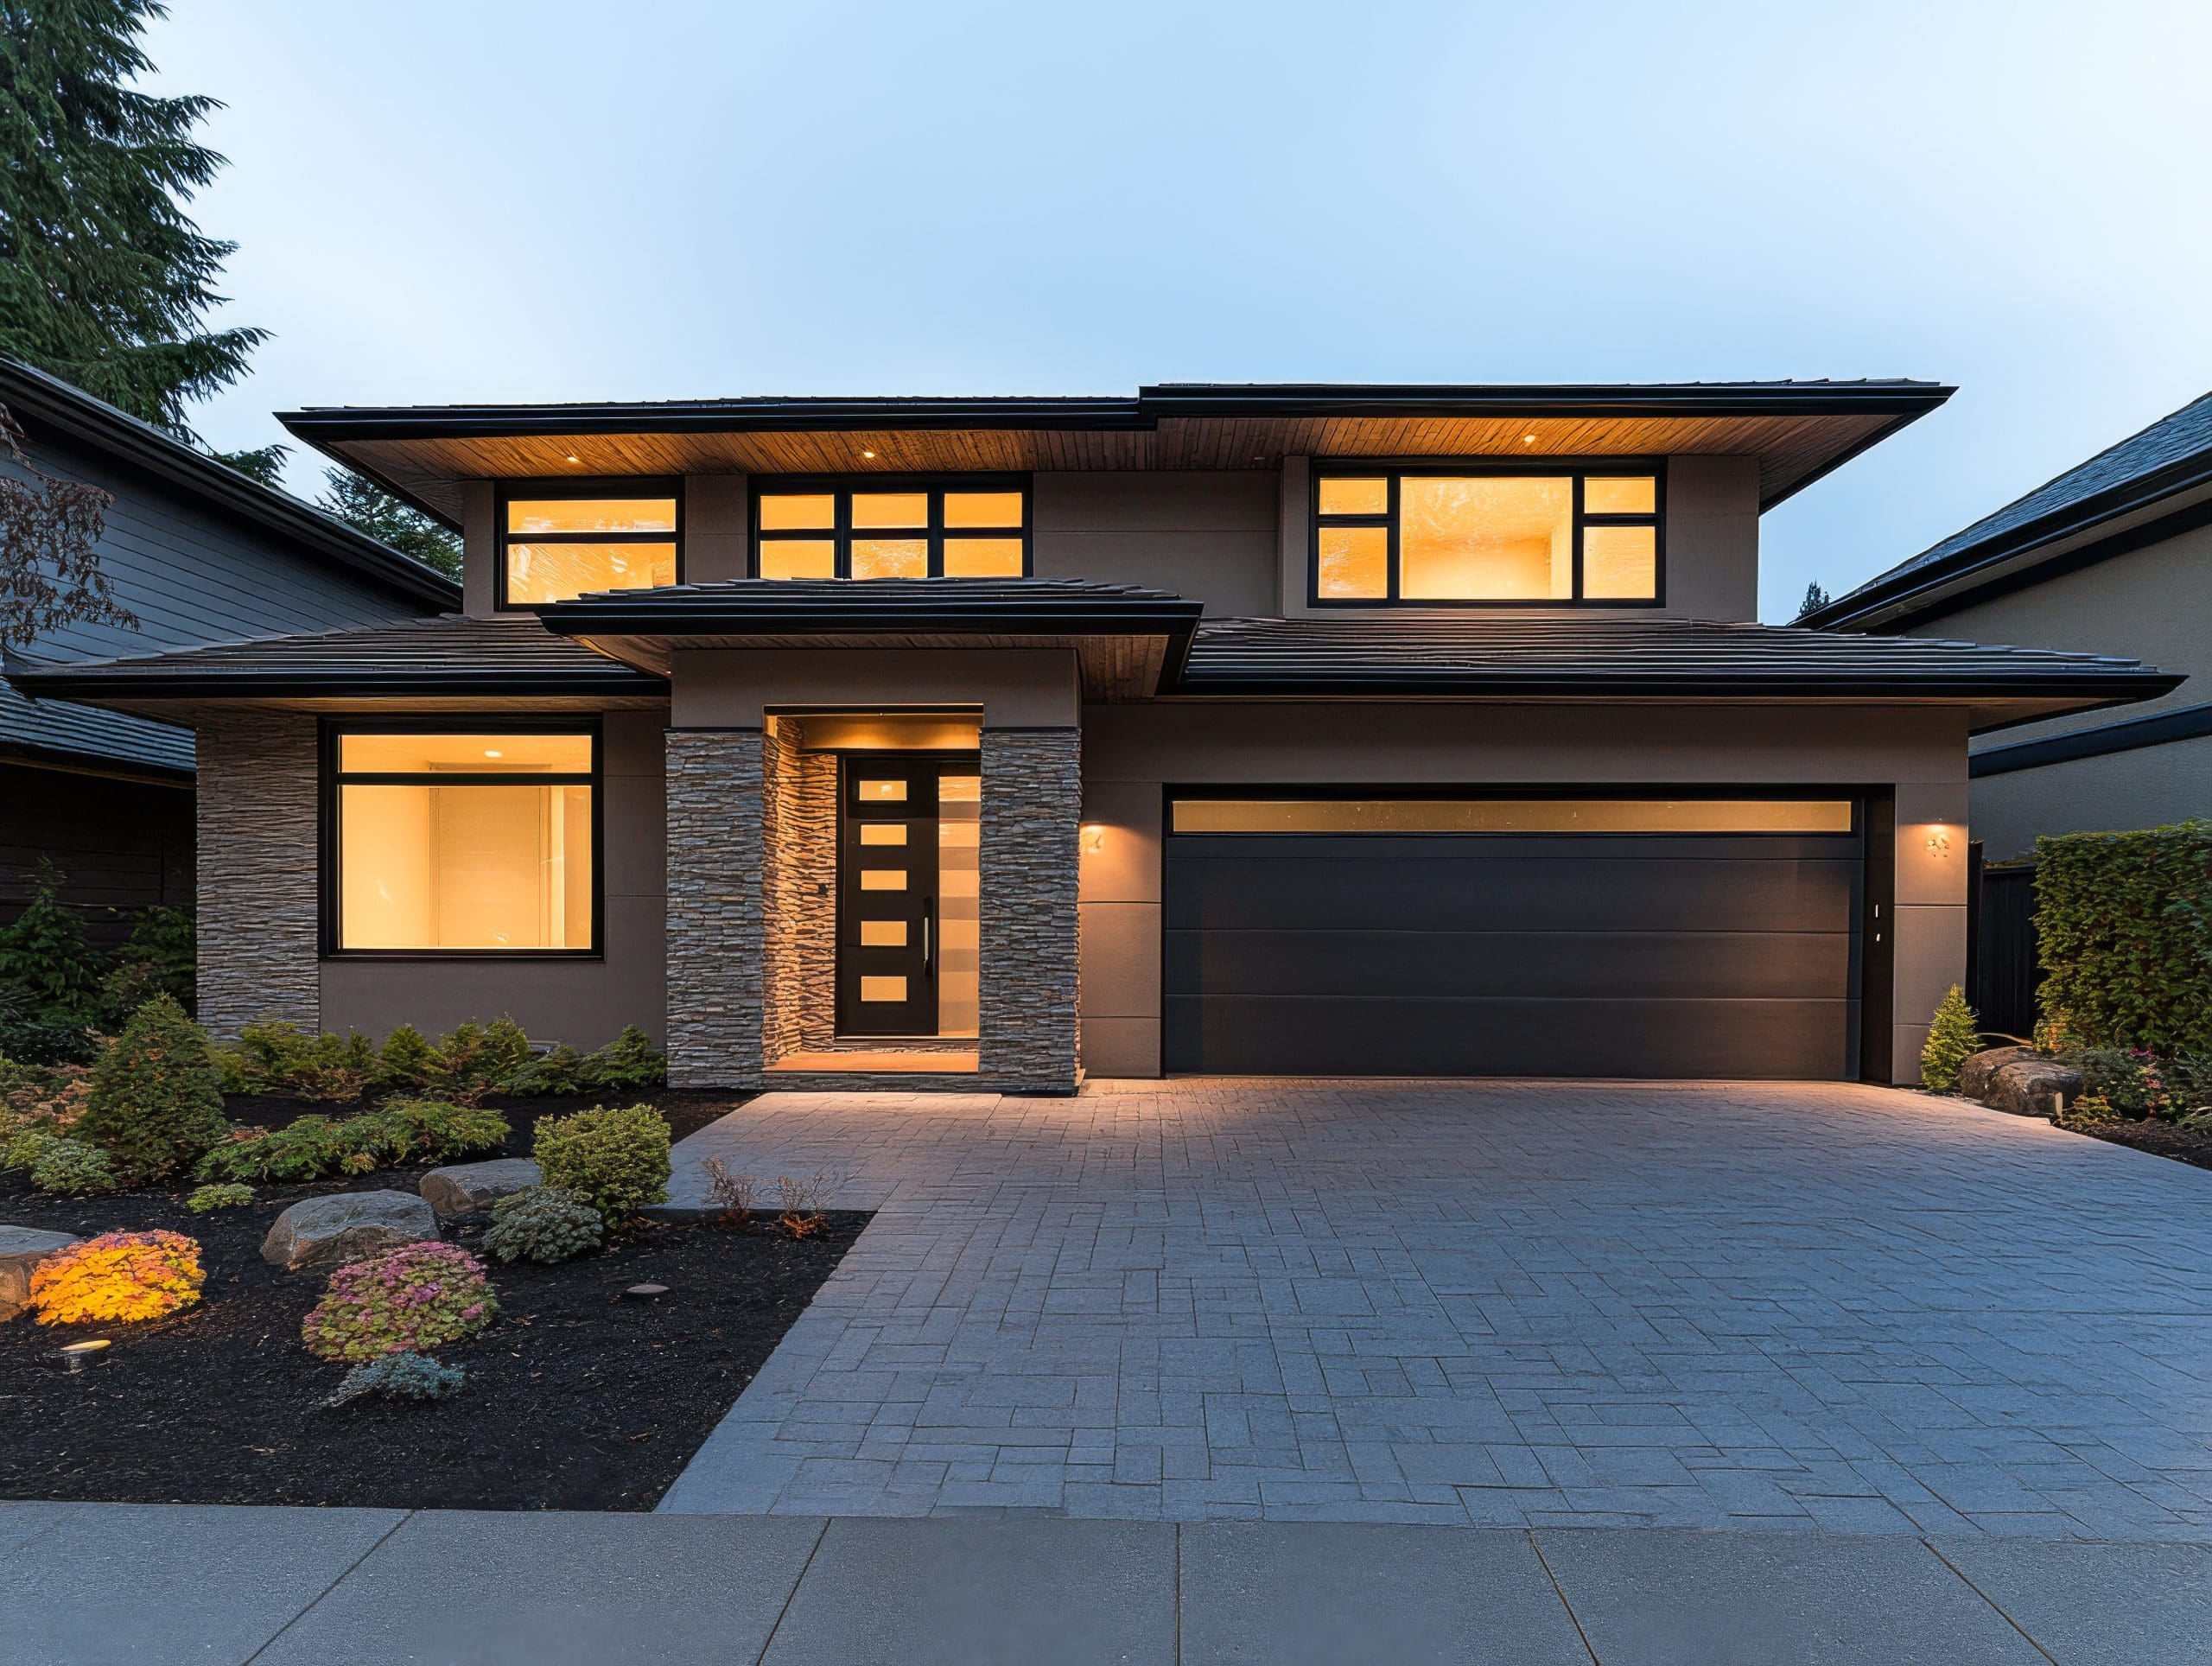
point(78, 1356)
point(572, 456)
point(1939, 841)
point(1094, 838)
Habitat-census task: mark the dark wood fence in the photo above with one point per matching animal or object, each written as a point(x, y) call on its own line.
point(2002, 965)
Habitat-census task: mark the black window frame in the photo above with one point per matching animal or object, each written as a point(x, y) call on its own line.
point(841, 532)
point(330, 856)
point(620, 485)
point(1579, 471)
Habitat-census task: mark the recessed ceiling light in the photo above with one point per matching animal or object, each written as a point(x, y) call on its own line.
point(493, 752)
point(868, 454)
point(1527, 439)
point(572, 456)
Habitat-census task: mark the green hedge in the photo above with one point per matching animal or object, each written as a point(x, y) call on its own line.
point(2124, 922)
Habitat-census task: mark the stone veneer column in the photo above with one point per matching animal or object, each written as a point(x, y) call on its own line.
point(1031, 830)
point(799, 862)
point(715, 898)
point(260, 948)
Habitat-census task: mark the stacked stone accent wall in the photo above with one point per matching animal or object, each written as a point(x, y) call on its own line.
point(1032, 812)
point(258, 861)
point(715, 989)
point(801, 884)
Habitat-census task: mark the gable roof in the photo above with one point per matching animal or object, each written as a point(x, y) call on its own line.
point(1797, 430)
point(2172, 456)
point(42, 401)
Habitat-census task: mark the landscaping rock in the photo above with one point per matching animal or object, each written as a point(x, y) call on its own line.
point(1974, 1074)
point(22, 1247)
point(472, 1188)
point(347, 1226)
point(2033, 1087)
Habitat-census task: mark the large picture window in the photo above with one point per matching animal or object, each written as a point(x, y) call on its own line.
point(569, 538)
point(1430, 536)
point(882, 527)
point(482, 840)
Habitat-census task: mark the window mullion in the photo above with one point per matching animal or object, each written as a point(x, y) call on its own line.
point(1392, 582)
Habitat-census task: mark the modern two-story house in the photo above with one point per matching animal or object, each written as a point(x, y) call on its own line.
point(196, 553)
point(2116, 555)
point(982, 742)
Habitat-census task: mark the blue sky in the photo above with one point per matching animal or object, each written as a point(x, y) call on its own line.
point(464, 200)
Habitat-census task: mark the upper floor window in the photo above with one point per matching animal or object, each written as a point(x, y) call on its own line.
point(970, 527)
point(1465, 534)
point(571, 537)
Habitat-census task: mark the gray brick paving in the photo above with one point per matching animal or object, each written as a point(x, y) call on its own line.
point(1796, 1308)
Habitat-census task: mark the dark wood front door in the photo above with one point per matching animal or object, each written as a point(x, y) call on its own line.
point(889, 938)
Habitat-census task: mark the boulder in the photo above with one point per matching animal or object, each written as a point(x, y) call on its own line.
point(2033, 1087)
point(346, 1226)
point(1974, 1074)
point(22, 1247)
point(472, 1188)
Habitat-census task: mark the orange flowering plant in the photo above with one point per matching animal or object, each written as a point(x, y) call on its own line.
point(118, 1276)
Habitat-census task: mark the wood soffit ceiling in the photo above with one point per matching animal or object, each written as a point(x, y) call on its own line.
point(1793, 449)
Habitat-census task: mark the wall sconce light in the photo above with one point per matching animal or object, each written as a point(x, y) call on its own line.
point(1094, 838)
point(1939, 841)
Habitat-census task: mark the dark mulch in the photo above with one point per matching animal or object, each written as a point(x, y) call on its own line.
point(577, 1398)
point(2184, 1145)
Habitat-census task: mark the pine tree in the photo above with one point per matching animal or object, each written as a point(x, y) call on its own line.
point(1954, 1037)
point(1815, 598)
point(364, 505)
point(156, 1101)
point(104, 280)
point(43, 952)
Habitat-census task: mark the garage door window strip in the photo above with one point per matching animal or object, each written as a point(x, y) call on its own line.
point(1459, 816)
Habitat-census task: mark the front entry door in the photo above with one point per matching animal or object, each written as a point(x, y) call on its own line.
point(890, 910)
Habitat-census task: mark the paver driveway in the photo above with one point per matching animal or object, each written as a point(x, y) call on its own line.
point(1698, 1304)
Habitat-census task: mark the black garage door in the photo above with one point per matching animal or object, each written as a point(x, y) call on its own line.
point(1580, 953)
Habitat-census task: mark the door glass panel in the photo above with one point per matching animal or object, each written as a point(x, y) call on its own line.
point(883, 934)
point(883, 989)
point(883, 879)
point(883, 832)
point(881, 790)
point(959, 907)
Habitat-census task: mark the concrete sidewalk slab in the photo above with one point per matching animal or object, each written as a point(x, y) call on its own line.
point(465, 1586)
point(145, 1585)
point(22, 1522)
point(969, 1593)
point(2097, 1604)
point(1659, 1597)
point(1296, 1593)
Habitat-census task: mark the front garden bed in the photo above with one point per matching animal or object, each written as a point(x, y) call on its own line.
point(576, 1397)
point(2186, 1145)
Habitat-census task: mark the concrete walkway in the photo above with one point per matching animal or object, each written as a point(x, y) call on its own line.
point(1818, 1307)
point(85, 1585)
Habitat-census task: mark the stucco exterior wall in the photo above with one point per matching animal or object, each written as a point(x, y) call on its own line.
point(2116, 793)
point(1132, 753)
point(1206, 535)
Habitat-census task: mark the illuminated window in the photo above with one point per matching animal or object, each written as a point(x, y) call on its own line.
point(480, 840)
point(1425, 535)
point(571, 538)
point(890, 528)
point(1402, 816)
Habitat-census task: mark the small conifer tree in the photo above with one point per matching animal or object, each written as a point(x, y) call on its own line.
point(1954, 1037)
point(156, 1100)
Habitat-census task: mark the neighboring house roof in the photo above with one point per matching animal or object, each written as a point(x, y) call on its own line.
point(1640, 658)
point(1797, 430)
point(447, 655)
point(36, 398)
point(2173, 456)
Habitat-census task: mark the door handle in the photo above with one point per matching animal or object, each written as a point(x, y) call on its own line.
point(928, 937)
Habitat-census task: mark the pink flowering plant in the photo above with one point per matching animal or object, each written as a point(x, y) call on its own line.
point(414, 1299)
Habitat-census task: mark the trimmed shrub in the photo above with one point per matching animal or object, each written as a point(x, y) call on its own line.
point(475, 1059)
point(275, 1057)
point(118, 1276)
point(407, 1060)
point(155, 1100)
point(157, 958)
point(1954, 1037)
point(402, 1376)
point(434, 1130)
point(544, 1224)
point(227, 1194)
point(22, 1147)
point(404, 1131)
point(618, 1158)
point(63, 1167)
point(549, 1076)
point(628, 1064)
point(413, 1298)
point(2125, 921)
